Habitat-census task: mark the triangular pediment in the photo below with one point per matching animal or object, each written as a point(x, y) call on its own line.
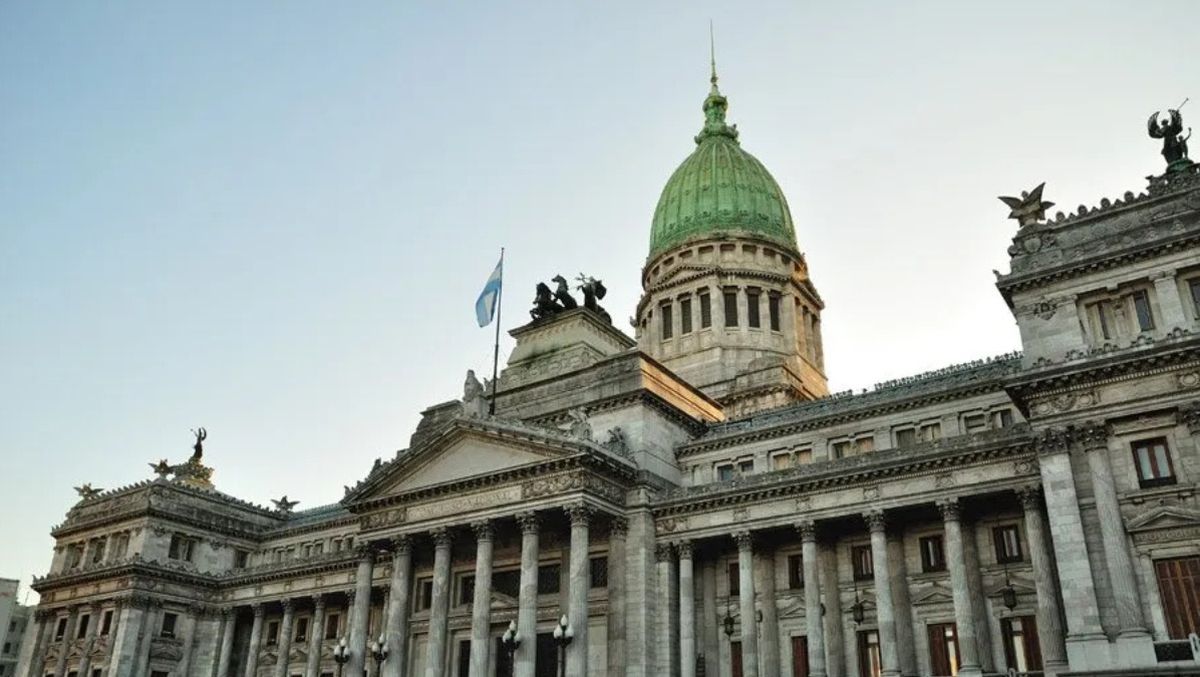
point(468, 449)
point(934, 594)
point(1164, 517)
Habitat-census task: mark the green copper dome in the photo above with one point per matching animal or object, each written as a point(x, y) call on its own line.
point(720, 189)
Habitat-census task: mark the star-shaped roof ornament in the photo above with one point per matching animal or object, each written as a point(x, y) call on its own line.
point(86, 491)
point(1029, 208)
point(283, 505)
point(162, 468)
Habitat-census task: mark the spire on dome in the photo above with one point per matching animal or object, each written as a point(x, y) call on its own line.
point(716, 103)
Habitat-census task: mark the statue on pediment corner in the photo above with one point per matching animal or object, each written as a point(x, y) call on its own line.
point(580, 427)
point(474, 402)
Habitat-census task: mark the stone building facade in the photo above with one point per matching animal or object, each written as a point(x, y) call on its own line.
point(692, 501)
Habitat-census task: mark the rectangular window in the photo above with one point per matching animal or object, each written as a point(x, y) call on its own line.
point(1103, 322)
point(301, 629)
point(943, 648)
point(685, 315)
point(930, 432)
point(273, 632)
point(318, 547)
point(81, 630)
point(464, 658)
point(241, 559)
point(667, 321)
point(1194, 286)
point(106, 623)
point(974, 423)
point(864, 566)
point(549, 579)
point(168, 624)
point(598, 572)
point(705, 311)
point(424, 594)
point(735, 659)
point(1141, 309)
point(331, 626)
point(773, 311)
point(752, 310)
point(724, 472)
point(731, 309)
point(800, 664)
point(1178, 581)
point(781, 461)
point(159, 673)
point(906, 437)
point(864, 445)
point(735, 579)
point(507, 582)
point(1002, 418)
point(933, 556)
point(843, 449)
point(746, 466)
point(466, 589)
point(97, 550)
point(870, 664)
point(1008, 544)
point(795, 564)
point(1153, 462)
point(181, 548)
point(1021, 649)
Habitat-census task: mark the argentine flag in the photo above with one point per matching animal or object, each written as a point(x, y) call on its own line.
point(485, 305)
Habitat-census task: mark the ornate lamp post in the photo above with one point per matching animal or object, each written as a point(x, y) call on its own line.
point(341, 654)
point(379, 651)
point(563, 634)
point(510, 640)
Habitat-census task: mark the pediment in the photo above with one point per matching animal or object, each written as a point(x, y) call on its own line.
point(1164, 517)
point(934, 594)
point(466, 450)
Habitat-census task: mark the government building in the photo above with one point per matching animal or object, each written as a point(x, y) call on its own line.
point(692, 500)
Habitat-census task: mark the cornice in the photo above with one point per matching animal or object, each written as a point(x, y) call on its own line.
point(133, 567)
point(1113, 367)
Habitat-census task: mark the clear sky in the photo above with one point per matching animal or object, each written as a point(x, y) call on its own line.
point(272, 218)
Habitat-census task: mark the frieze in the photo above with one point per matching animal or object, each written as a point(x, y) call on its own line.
point(1063, 402)
point(1167, 535)
point(383, 518)
point(1188, 380)
point(570, 482)
point(464, 503)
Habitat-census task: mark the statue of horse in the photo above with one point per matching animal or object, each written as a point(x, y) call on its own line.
point(563, 293)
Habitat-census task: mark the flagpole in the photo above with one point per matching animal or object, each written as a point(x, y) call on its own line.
point(496, 347)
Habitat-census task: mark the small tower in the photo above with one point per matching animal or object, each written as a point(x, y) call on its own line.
point(727, 303)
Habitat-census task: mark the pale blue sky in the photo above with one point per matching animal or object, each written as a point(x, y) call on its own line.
point(272, 218)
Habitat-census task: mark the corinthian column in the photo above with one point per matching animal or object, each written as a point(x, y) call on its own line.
point(687, 610)
point(361, 614)
point(396, 628)
point(316, 635)
point(577, 651)
point(439, 608)
point(1049, 616)
point(885, 613)
point(481, 607)
point(668, 649)
point(617, 530)
point(255, 642)
point(285, 637)
point(964, 614)
point(749, 618)
point(814, 629)
point(525, 657)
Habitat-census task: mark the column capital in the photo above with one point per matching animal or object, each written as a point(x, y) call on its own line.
point(662, 552)
point(318, 602)
point(808, 531)
point(1030, 497)
point(529, 522)
point(743, 539)
point(441, 537)
point(42, 614)
point(1052, 441)
point(875, 520)
point(1092, 436)
point(401, 545)
point(257, 609)
point(618, 527)
point(287, 605)
point(226, 612)
point(483, 530)
point(951, 509)
point(1190, 414)
point(351, 594)
point(684, 548)
point(365, 552)
point(579, 513)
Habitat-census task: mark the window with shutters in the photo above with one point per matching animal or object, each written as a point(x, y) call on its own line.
point(705, 310)
point(731, 307)
point(685, 315)
point(1153, 462)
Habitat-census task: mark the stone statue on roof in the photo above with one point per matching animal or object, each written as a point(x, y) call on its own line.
point(1029, 208)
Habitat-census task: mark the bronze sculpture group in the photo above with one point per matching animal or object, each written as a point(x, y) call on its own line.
point(1170, 130)
point(548, 303)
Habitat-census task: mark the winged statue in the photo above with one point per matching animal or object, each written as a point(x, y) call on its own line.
point(1170, 130)
point(1029, 208)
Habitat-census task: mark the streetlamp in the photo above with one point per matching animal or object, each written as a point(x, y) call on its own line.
point(379, 651)
point(510, 641)
point(858, 612)
point(728, 621)
point(563, 634)
point(341, 654)
point(1009, 593)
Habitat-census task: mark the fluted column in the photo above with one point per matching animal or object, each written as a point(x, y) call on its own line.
point(481, 607)
point(906, 640)
point(617, 530)
point(285, 637)
point(525, 657)
point(667, 650)
point(711, 624)
point(687, 610)
point(396, 627)
point(225, 653)
point(1049, 615)
point(577, 651)
point(255, 641)
point(85, 660)
point(964, 615)
point(749, 618)
point(435, 650)
point(60, 667)
point(312, 667)
point(885, 611)
point(1094, 439)
point(814, 629)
